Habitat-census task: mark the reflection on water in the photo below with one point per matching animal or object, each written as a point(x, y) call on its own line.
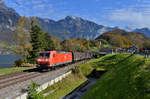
point(7, 60)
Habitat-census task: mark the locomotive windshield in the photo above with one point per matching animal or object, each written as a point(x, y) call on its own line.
point(44, 54)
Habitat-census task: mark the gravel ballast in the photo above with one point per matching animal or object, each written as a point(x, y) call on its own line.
point(15, 90)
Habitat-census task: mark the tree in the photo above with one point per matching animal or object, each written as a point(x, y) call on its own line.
point(37, 41)
point(40, 41)
point(79, 45)
point(56, 43)
point(22, 39)
point(49, 43)
point(67, 45)
point(146, 45)
point(20, 44)
point(102, 41)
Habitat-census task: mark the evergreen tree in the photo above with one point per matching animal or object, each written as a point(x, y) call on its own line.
point(49, 44)
point(37, 41)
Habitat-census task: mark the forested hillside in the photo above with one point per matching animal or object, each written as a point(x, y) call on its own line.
point(121, 38)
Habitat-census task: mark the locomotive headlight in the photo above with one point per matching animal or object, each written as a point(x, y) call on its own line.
point(39, 60)
point(47, 60)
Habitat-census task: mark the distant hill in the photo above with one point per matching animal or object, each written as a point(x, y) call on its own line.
point(146, 31)
point(121, 38)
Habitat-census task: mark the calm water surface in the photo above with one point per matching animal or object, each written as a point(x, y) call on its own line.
point(7, 60)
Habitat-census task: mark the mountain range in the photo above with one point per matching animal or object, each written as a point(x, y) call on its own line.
point(73, 27)
point(145, 31)
point(69, 27)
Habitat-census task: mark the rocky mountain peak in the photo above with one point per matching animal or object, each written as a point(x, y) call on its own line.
point(8, 16)
point(128, 29)
point(8, 20)
point(2, 5)
point(72, 18)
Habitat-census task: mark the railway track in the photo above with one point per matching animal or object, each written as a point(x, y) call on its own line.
point(18, 80)
point(15, 78)
point(12, 85)
point(18, 77)
point(10, 75)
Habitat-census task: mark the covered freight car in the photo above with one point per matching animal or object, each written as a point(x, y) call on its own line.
point(78, 56)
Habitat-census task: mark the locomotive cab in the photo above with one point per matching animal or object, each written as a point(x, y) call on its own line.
point(50, 59)
point(43, 60)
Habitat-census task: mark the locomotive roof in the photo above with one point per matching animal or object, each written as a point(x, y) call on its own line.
point(56, 52)
point(62, 52)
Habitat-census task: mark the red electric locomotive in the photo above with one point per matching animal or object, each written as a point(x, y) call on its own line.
point(49, 59)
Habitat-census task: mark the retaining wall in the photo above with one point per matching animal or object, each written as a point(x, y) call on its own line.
point(45, 85)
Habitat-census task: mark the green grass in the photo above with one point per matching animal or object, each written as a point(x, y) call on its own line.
point(106, 45)
point(65, 86)
point(73, 81)
point(13, 70)
point(88, 67)
point(128, 77)
point(100, 65)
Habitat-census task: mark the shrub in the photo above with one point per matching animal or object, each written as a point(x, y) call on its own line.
point(76, 70)
point(19, 63)
point(32, 91)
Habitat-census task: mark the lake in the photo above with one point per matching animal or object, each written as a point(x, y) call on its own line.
point(7, 60)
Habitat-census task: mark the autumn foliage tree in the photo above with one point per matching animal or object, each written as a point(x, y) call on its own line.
point(79, 45)
point(146, 45)
point(22, 39)
point(56, 43)
point(20, 43)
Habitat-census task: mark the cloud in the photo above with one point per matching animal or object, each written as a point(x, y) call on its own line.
point(128, 15)
point(136, 16)
point(40, 8)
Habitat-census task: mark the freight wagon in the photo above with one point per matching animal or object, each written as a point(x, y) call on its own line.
point(49, 59)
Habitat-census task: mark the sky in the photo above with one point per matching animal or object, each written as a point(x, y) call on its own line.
point(122, 13)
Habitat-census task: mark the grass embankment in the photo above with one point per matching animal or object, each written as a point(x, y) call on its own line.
point(88, 67)
point(71, 82)
point(65, 86)
point(13, 70)
point(128, 77)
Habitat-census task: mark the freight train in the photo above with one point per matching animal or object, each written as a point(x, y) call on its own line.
point(51, 59)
